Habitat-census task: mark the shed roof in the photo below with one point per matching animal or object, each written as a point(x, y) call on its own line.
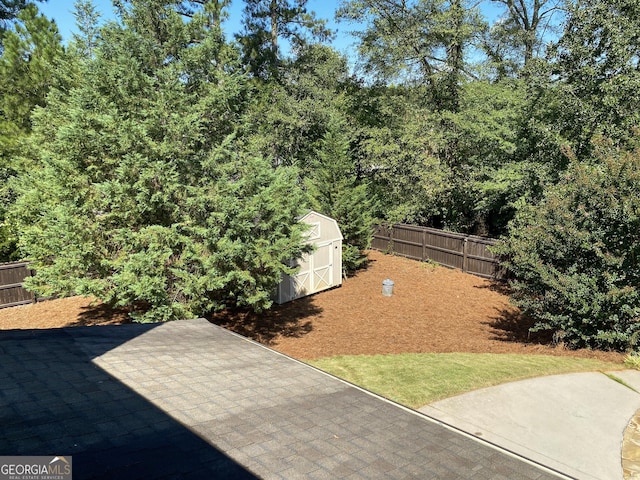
point(324, 217)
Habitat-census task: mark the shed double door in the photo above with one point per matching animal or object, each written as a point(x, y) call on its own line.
point(315, 271)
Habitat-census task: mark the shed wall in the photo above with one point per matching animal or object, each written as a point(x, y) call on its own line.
point(320, 269)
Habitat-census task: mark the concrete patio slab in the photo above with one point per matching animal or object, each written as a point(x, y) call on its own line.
point(574, 423)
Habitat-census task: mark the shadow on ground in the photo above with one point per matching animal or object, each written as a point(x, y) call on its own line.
point(497, 286)
point(55, 401)
point(509, 325)
point(286, 320)
point(101, 314)
point(364, 266)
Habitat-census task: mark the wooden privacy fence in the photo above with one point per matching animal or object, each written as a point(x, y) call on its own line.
point(456, 250)
point(12, 292)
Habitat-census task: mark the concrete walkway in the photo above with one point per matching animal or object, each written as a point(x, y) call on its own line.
point(191, 400)
point(573, 423)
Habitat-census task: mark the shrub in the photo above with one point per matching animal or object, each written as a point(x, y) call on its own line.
point(632, 360)
point(574, 257)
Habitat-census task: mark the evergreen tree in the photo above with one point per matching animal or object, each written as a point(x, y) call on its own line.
point(31, 50)
point(143, 197)
point(267, 23)
point(26, 67)
point(9, 10)
point(335, 190)
point(87, 22)
point(213, 9)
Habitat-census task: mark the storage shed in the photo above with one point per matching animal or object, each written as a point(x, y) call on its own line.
point(320, 269)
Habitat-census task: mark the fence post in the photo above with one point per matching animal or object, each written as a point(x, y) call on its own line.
point(465, 266)
point(34, 297)
point(424, 245)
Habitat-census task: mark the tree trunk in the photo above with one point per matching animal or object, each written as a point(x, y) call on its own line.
point(273, 12)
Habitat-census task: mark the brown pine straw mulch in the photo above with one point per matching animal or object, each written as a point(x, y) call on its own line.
point(433, 309)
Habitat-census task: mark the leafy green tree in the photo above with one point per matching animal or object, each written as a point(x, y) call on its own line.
point(480, 142)
point(519, 34)
point(397, 148)
point(453, 170)
point(289, 118)
point(420, 41)
point(142, 196)
point(334, 189)
point(574, 257)
point(597, 64)
point(443, 142)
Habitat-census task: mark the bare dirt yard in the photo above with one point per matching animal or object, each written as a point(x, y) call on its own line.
point(433, 309)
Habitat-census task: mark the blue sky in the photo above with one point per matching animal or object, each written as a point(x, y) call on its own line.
point(62, 12)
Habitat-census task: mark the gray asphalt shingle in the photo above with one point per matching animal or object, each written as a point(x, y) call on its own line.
point(190, 400)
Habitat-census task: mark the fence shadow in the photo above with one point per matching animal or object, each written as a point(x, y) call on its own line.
point(499, 286)
point(290, 319)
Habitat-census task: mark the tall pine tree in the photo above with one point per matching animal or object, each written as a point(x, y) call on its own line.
point(267, 23)
point(27, 62)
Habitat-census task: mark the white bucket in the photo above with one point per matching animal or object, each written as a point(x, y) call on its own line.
point(387, 287)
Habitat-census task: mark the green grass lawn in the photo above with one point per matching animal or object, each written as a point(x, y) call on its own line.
point(416, 380)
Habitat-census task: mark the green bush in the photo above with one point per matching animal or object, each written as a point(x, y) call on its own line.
point(574, 257)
